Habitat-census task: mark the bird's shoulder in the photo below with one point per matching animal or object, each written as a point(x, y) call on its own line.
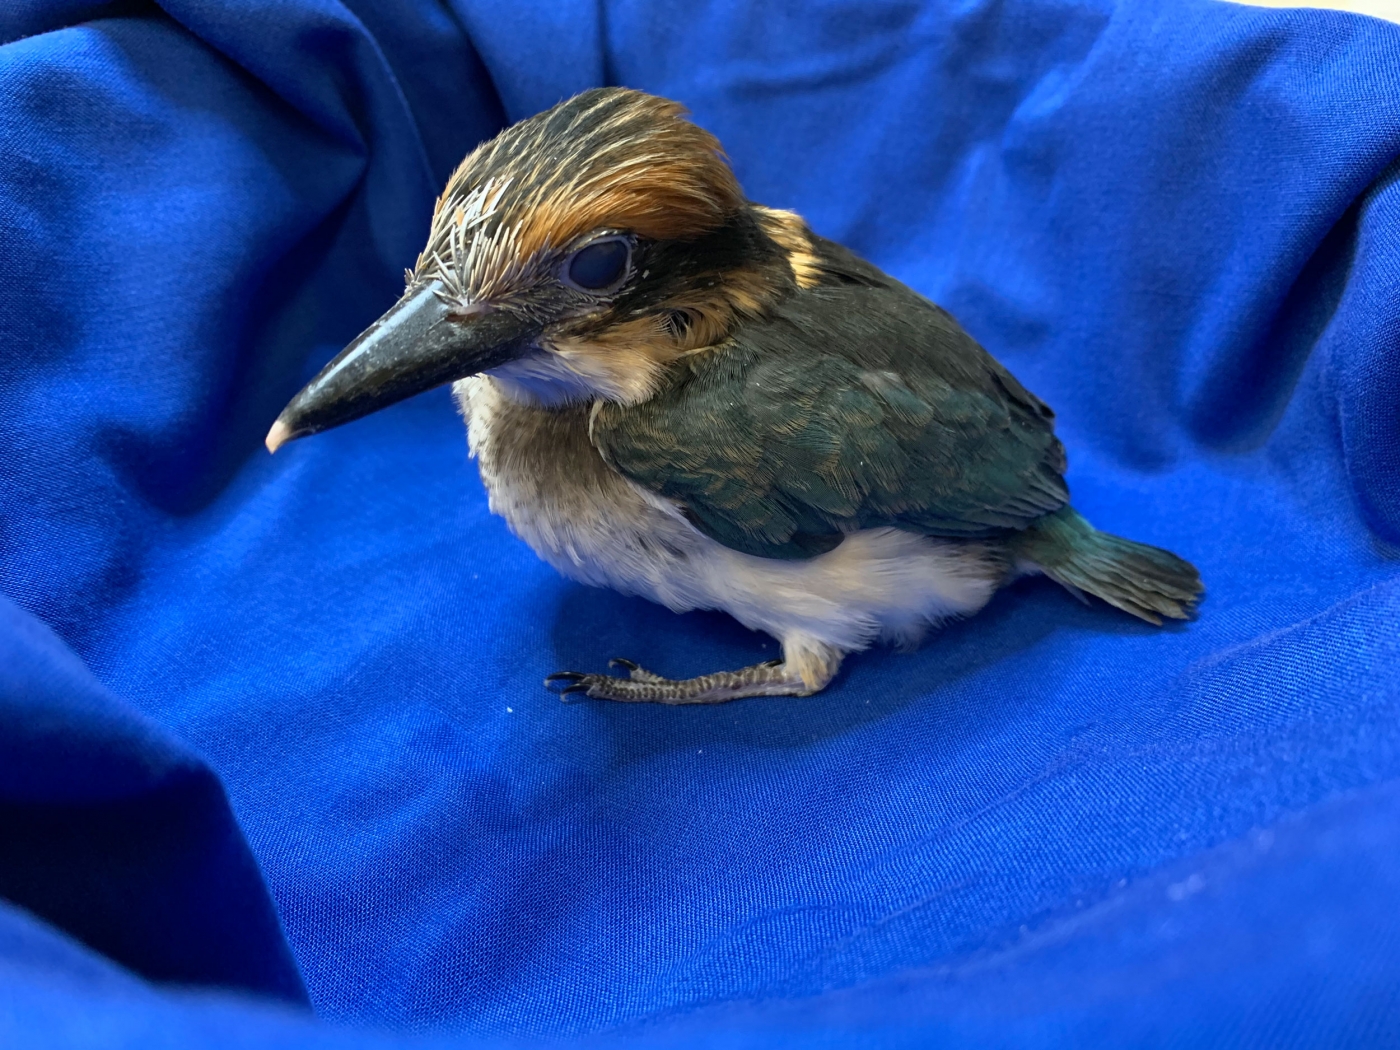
point(854, 403)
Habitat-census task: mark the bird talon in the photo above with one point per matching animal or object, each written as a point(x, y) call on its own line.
point(573, 682)
point(572, 677)
point(635, 672)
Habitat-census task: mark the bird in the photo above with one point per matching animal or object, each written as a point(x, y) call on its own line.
point(679, 393)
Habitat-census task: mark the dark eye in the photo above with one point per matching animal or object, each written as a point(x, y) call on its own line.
point(600, 265)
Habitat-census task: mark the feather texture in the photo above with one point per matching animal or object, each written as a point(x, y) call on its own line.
point(1147, 582)
point(853, 404)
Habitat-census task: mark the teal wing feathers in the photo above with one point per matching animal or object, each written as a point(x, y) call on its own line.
point(855, 404)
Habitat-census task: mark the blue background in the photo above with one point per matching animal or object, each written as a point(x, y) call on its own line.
point(272, 733)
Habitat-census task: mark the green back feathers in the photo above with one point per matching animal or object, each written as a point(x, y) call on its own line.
point(855, 404)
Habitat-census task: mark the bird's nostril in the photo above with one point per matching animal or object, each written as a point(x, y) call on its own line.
point(469, 311)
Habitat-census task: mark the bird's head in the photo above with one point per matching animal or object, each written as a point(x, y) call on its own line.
point(573, 257)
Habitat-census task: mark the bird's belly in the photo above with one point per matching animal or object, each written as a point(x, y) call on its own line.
point(544, 476)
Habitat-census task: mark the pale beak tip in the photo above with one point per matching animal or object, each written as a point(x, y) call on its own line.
point(277, 436)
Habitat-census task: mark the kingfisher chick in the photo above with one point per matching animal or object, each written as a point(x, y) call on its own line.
point(678, 393)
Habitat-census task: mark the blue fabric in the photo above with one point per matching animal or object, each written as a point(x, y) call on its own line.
point(261, 709)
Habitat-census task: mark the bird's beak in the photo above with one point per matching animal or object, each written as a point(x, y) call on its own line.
point(420, 343)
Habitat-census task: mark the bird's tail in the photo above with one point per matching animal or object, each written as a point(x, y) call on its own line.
point(1146, 581)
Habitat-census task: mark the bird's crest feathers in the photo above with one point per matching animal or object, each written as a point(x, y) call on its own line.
point(608, 158)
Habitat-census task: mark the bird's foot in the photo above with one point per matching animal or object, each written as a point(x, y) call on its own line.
point(774, 678)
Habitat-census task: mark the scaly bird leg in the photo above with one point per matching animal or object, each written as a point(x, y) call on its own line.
point(804, 671)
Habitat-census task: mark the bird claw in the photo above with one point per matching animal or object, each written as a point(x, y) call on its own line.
point(595, 685)
point(577, 682)
point(635, 672)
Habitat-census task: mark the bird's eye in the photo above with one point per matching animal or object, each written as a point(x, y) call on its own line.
point(598, 266)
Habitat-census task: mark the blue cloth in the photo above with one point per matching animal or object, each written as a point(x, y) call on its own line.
point(272, 730)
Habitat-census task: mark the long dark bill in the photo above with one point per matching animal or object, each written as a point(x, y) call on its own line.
point(418, 344)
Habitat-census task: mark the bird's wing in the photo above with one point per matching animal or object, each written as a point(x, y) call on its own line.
point(856, 404)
